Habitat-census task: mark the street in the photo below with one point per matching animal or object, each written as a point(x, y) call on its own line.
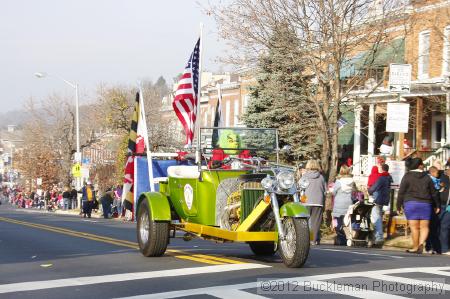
point(45, 255)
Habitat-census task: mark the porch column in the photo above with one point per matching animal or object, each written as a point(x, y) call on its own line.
point(371, 137)
point(357, 142)
point(419, 123)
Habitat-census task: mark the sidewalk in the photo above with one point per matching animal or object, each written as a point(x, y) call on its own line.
point(397, 242)
point(76, 212)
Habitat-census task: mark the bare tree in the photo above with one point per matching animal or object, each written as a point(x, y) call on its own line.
point(330, 34)
point(50, 138)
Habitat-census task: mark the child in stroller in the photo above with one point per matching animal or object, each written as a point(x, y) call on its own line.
point(357, 224)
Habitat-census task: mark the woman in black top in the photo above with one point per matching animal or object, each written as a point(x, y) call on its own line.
point(417, 196)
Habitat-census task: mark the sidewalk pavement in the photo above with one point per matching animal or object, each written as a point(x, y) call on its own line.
point(76, 212)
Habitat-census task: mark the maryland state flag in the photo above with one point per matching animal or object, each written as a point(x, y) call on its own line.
point(135, 146)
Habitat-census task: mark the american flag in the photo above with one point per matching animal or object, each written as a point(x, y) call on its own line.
point(185, 101)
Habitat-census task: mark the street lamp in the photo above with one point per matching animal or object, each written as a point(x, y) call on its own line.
point(77, 120)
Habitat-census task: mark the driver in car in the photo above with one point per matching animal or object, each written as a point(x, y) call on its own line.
point(228, 144)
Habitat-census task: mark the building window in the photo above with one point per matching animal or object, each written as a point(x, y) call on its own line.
point(236, 112)
point(205, 123)
point(424, 54)
point(227, 113)
point(446, 56)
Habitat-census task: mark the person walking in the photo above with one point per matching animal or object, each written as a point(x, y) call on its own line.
point(380, 192)
point(66, 198)
point(315, 193)
point(88, 199)
point(416, 196)
point(342, 192)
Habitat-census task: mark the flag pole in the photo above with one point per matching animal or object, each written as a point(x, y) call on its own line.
point(199, 94)
point(146, 141)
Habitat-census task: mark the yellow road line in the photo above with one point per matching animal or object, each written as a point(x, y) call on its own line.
point(206, 259)
point(201, 260)
point(70, 233)
point(216, 258)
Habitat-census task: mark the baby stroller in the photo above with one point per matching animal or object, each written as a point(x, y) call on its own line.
point(357, 225)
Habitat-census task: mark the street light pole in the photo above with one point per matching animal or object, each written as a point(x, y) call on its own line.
point(77, 118)
point(77, 121)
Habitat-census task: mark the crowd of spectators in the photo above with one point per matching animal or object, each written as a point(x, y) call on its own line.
point(65, 198)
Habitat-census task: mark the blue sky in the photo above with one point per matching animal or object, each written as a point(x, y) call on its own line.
point(96, 41)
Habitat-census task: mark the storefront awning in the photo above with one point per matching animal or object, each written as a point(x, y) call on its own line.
point(394, 52)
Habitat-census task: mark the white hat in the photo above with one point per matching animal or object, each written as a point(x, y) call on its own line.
point(89, 182)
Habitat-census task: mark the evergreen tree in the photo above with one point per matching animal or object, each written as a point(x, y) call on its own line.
point(280, 98)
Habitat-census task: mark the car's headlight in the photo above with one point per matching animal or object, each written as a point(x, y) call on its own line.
point(267, 182)
point(286, 180)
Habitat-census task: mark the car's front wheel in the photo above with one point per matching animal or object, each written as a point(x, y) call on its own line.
point(153, 237)
point(294, 249)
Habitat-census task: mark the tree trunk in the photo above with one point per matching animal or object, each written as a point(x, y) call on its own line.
point(334, 143)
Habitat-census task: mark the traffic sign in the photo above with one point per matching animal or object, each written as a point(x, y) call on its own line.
point(77, 157)
point(399, 78)
point(76, 170)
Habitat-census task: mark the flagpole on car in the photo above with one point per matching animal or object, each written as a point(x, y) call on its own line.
point(199, 93)
point(143, 119)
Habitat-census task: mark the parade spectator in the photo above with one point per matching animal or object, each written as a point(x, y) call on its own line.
point(444, 216)
point(118, 200)
point(386, 145)
point(380, 192)
point(66, 198)
point(88, 198)
point(74, 198)
point(47, 197)
point(373, 176)
point(342, 192)
point(416, 196)
point(440, 182)
point(107, 200)
point(59, 200)
point(315, 192)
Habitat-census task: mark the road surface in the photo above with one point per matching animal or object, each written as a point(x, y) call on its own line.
point(47, 255)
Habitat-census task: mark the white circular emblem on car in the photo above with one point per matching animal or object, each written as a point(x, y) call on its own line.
point(188, 195)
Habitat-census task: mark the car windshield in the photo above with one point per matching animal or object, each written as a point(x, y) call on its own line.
point(234, 140)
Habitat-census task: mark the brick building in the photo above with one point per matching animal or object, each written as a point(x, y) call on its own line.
point(235, 96)
point(420, 36)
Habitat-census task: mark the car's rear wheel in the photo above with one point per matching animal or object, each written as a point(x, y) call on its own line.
point(262, 248)
point(153, 237)
point(294, 249)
